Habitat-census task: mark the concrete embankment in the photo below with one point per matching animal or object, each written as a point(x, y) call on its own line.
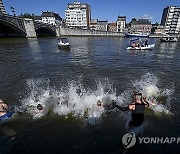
point(161, 36)
point(78, 32)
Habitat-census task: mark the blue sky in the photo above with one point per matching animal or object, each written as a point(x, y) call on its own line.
point(100, 9)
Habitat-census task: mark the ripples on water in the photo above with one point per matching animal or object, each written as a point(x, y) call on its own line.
point(69, 83)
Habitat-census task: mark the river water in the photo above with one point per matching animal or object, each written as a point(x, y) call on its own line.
point(68, 84)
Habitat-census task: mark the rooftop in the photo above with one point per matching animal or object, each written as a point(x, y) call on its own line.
point(102, 21)
point(51, 14)
point(112, 24)
point(141, 22)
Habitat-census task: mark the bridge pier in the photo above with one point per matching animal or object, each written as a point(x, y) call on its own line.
point(29, 28)
point(58, 34)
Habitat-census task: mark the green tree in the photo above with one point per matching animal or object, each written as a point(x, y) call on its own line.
point(27, 15)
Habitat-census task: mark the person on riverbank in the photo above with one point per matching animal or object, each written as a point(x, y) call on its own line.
point(137, 107)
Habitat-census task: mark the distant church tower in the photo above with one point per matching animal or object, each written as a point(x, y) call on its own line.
point(2, 10)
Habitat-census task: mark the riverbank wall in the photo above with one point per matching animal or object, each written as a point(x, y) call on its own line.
point(78, 32)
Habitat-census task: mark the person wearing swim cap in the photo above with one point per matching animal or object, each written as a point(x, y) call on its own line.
point(4, 113)
point(40, 108)
point(3, 108)
point(137, 108)
point(105, 106)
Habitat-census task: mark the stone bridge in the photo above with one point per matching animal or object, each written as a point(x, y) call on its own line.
point(45, 29)
point(11, 26)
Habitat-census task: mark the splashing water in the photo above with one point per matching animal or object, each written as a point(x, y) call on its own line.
point(148, 86)
point(74, 100)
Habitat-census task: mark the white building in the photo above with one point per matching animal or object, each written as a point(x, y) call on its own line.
point(102, 25)
point(2, 10)
point(171, 20)
point(78, 15)
point(121, 23)
point(51, 18)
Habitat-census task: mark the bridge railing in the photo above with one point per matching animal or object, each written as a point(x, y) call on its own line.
point(13, 20)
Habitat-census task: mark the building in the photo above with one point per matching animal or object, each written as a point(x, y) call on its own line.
point(141, 26)
point(171, 20)
point(78, 15)
point(157, 29)
point(112, 27)
point(121, 23)
point(2, 9)
point(51, 18)
point(93, 24)
point(38, 18)
point(102, 25)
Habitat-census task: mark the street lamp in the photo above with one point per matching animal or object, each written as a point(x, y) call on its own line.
point(13, 10)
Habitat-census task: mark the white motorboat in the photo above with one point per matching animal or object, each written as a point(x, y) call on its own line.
point(136, 34)
point(148, 47)
point(168, 39)
point(137, 44)
point(63, 43)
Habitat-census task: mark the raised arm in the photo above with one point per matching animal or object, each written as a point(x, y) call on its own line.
point(120, 107)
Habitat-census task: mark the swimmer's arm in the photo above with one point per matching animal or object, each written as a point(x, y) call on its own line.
point(120, 107)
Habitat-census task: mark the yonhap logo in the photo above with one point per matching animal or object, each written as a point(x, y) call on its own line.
point(129, 139)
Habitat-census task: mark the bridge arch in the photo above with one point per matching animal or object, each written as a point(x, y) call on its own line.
point(9, 29)
point(45, 31)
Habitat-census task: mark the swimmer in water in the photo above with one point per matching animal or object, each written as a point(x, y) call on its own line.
point(3, 108)
point(40, 108)
point(106, 107)
point(137, 107)
point(4, 113)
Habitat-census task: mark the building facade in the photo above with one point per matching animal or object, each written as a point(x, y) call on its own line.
point(112, 27)
point(2, 9)
point(140, 26)
point(51, 18)
point(78, 15)
point(171, 20)
point(102, 25)
point(121, 23)
point(93, 24)
point(157, 29)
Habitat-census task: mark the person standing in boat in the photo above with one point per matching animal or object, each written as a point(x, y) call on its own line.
point(146, 43)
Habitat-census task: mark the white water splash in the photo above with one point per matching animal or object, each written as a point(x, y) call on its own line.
point(148, 86)
point(76, 101)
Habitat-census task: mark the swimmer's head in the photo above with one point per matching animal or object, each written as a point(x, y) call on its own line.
point(39, 107)
point(99, 103)
point(137, 96)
